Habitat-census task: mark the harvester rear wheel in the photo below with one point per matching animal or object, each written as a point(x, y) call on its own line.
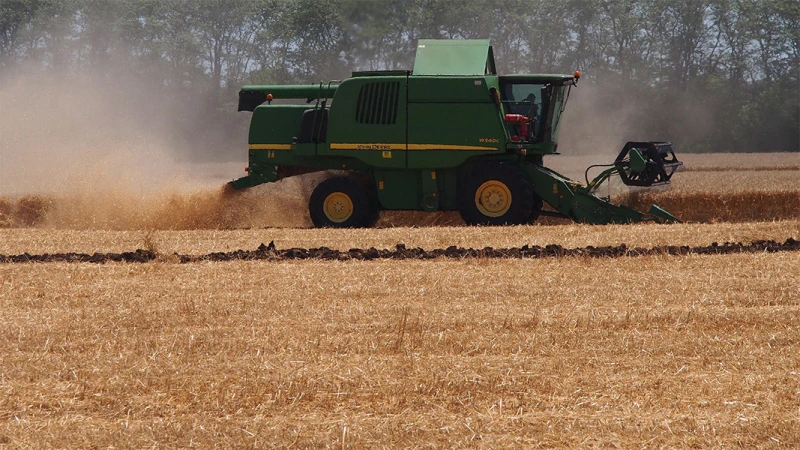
point(496, 194)
point(341, 202)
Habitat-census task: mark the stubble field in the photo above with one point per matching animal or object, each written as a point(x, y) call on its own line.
point(685, 350)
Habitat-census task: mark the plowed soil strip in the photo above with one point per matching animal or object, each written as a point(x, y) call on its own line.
point(270, 253)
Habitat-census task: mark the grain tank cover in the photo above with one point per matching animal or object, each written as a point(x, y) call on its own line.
point(449, 57)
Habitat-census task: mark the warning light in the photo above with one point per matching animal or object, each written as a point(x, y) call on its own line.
point(577, 74)
point(269, 98)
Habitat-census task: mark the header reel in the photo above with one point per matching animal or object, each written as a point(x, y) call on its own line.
point(646, 163)
point(641, 164)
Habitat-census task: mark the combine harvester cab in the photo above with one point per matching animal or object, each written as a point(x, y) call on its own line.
point(451, 135)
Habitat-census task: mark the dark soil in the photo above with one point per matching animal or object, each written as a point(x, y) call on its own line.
point(270, 253)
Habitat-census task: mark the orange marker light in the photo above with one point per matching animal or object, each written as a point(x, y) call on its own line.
point(577, 74)
point(269, 96)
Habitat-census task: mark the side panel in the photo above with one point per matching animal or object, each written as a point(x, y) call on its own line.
point(275, 124)
point(398, 189)
point(368, 121)
point(449, 89)
point(445, 135)
point(428, 190)
point(452, 119)
point(272, 128)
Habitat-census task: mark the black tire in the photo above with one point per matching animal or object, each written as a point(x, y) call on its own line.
point(342, 202)
point(375, 208)
point(496, 194)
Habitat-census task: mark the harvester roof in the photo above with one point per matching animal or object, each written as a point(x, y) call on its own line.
point(454, 57)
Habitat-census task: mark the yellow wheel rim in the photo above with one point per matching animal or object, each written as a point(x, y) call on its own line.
point(338, 207)
point(493, 198)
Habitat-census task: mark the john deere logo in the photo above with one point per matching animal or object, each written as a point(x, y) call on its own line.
point(382, 147)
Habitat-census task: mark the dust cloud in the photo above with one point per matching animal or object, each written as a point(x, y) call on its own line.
point(603, 114)
point(90, 152)
point(595, 123)
point(593, 129)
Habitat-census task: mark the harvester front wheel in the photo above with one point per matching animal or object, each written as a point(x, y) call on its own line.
point(496, 194)
point(341, 202)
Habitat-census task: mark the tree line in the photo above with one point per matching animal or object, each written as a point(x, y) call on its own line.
point(712, 75)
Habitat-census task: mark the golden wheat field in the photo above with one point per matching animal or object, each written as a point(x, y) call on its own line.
point(657, 351)
point(660, 351)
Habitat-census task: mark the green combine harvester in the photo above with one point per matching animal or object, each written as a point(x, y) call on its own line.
point(451, 135)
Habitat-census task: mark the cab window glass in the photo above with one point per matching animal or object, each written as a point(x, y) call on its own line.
point(524, 99)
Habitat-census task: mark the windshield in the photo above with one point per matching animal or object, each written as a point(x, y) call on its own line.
point(542, 104)
point(526, 99)
point(561, 96)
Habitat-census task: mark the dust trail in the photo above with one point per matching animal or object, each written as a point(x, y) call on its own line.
point(278, 205)
point(86, 151)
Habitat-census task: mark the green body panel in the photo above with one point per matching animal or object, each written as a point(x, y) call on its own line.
point(453, 57)
point(427, 190)
point(443, 138)
point(452, 119)
point(398, 189)
point(368, 122)
point(275, 124)
point(449, 89)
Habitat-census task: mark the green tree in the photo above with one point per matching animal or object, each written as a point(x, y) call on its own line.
point(300, 41)
point(15, 15)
